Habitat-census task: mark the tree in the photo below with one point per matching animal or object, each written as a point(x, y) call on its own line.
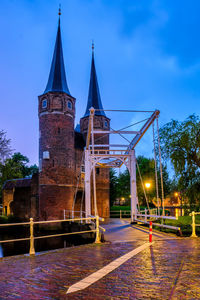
point(147, 171)
point(180, 143)
point(15, 167)
point(5, 149)
point(113, 184)
point(121, 184)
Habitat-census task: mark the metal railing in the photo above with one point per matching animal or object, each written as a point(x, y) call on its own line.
point(32, 238)
point(194, 223)
point(71, 214)
point(156, 216)
point(120, 213)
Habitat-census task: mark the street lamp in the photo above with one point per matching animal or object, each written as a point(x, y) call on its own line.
point(177, 194)
point(147, 185)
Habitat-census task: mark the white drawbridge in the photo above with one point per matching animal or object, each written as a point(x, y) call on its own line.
point(113, 156)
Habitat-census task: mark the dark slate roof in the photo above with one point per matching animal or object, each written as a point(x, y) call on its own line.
point(79, 140)
point(94, 98)
point(17, 183)
point(57, 79)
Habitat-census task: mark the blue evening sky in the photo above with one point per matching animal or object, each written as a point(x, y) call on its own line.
point(147, 55)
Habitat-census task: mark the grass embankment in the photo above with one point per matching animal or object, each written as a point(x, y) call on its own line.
point(184, 223)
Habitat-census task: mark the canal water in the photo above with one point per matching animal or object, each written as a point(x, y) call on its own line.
point(44, 244)
point(1, 251)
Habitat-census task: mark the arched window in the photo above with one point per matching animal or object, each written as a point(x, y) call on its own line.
point(69, 104)
point(44, 103)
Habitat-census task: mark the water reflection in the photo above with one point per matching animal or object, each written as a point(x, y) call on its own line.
point(1, 251)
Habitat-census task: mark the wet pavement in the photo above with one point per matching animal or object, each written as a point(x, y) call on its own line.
point(169, 269)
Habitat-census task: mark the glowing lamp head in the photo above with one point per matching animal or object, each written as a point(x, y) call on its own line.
point(147, 185)
point(176, 194)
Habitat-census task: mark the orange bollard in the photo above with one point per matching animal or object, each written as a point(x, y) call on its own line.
point(150, 232)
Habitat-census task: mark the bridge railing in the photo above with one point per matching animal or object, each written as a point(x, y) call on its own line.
point(120, 214)
point(146, 218)
point(71, 214)
point(32, 238)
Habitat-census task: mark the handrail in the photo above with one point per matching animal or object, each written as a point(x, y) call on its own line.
point(159, 225)
point(32, 237)
point(14, 224)
point(156, 216)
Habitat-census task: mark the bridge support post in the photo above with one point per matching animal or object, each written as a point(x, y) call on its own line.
point(132, 170)
point(87, 184)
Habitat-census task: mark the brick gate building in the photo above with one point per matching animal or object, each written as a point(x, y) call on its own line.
point(61, 148)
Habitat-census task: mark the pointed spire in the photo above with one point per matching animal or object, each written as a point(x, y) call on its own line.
point(94, 98)
point(57, 79)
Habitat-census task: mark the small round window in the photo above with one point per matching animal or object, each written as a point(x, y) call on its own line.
point(106, 124)
point(44, 103)
point(69, 104)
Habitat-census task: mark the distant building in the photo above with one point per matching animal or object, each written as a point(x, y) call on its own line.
point(59, 185)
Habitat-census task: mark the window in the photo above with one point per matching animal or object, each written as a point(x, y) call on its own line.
point(44, 103)
point(82, 168)
point(46, 155)
point(40, 165)
point(106, 124)
point(58, 130)
point(69, 104)
point(97, 171)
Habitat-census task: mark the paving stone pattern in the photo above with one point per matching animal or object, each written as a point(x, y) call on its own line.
point(169, 269)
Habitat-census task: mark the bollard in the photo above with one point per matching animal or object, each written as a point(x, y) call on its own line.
point(193, 225)
point(150, 232)
point(98, 239)
point(32, 249)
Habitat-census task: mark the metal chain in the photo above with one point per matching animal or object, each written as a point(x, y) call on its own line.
point(156, 174)
point(145, 195)
point(161, 175)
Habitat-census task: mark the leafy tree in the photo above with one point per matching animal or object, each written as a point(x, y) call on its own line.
point(121, 184)
point(180, 143)
point(15, 167)
point(113, 184)
point(5, 149)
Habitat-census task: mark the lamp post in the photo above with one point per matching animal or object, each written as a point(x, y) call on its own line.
point(178, 195)
point(147, 186)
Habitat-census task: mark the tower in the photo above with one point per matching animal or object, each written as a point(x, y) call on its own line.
point(56, 110)
point(101, 122)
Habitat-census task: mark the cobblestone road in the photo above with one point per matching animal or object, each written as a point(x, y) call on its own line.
point(169, 269)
